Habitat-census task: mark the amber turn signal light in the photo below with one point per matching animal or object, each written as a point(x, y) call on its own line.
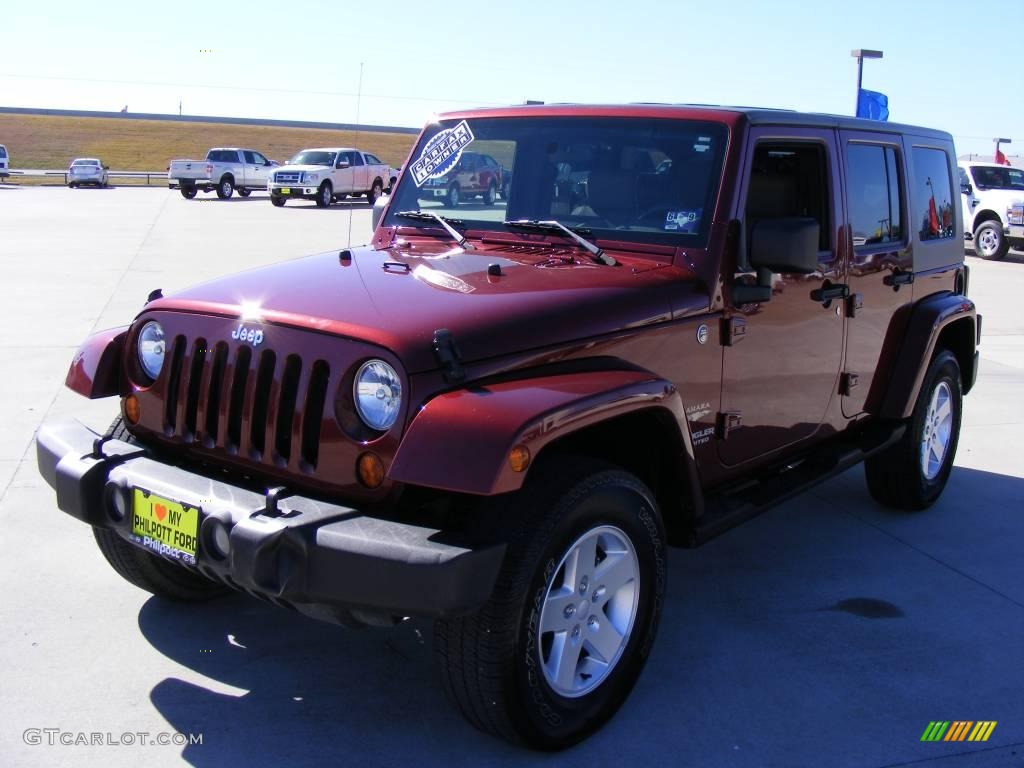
point(370, 470)
point(519, 458)
point(132, 409)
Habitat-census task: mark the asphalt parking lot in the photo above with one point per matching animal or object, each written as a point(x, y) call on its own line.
point(827, 632)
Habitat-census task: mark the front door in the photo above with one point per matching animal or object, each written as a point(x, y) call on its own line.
point(777, 383)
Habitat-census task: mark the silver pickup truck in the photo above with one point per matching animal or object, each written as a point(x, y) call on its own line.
point(225, 170)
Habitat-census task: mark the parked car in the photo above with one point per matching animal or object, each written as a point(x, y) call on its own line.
point(475, 175)
point(988, 194)
point(224, 170)
point(326, 174)
point(5, 169)
point(88, 170)
point(500, 422)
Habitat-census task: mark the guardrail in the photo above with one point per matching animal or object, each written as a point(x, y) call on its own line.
point(147, 175)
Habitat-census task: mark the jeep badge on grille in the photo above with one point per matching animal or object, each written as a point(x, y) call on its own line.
point(252, 335)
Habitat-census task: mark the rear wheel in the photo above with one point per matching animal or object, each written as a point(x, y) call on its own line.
point(188, 192)
point(912, 473)
point(324, 195)
point(226, 188)
point(244, 192)
point(492, 193)
point(277, 200)
point(375, 192)
point(989, 241)
point(453, 196)
point(572, 618)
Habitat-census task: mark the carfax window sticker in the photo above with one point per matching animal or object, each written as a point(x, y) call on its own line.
point(441, 153)
point(683, 221)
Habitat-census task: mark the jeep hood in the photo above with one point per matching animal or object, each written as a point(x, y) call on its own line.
point(398, 300)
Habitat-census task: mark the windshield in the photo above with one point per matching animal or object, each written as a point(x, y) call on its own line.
point(313, 157)
point(654, 178)
point(85, 162)
point(999, 178)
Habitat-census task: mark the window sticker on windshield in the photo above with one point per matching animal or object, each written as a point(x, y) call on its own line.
point(441, 153)
point(683, 221)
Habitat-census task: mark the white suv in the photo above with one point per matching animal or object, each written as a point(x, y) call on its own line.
point(5, 170)
point(993, 207)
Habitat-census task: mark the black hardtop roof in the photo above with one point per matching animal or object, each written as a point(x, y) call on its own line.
point(755, 116)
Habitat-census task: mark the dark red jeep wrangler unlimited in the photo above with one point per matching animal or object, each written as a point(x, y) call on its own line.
point(499, 416)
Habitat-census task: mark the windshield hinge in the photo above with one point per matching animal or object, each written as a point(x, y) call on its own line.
point(448, 356)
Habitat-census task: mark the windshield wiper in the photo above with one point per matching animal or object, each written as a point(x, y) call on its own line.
point(555, 226)
point(457, 236)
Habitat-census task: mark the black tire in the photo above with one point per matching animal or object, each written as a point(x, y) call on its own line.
point(342, 196)
point(148, 571)
point(277, 200)
point(492, 662)
point(244, 192)
point(225, 188)
point(188, 192)
point(376, 191)
point(71, 185)
point(325, 195)
point(492, 194)
point(989, 241)
point(453, 196)
point(897, 477)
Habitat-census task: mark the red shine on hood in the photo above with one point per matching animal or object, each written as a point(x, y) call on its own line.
point(398, 298)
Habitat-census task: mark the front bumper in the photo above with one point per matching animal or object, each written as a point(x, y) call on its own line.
point(304, 191)
point(325, 560)
point(1014, 231)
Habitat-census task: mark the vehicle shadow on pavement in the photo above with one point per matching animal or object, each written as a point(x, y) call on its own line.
point(815, 612)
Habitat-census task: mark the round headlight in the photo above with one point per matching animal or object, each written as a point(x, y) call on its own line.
point(378, 394)
point(151, 348)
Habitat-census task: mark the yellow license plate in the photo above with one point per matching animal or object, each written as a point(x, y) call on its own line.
point(164, 526)
point(285, 191)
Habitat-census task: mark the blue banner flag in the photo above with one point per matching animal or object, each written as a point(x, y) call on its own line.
point(872, 105)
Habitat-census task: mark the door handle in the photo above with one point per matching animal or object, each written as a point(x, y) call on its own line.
point(829, 292)
point(898, 278)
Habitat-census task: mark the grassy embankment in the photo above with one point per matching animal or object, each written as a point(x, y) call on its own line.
point(127, 144)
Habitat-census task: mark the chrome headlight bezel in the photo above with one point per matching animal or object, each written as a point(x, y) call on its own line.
point(309, 177)
point(151, 347)
point(380, 402)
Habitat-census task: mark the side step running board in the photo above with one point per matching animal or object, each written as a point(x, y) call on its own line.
point(736, 505)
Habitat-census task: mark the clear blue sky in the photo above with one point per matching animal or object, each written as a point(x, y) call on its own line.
point(946, 65)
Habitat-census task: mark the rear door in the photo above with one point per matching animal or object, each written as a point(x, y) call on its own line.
point(359, 172)
point(880, 265)
point(256, 169)
point(778, 384)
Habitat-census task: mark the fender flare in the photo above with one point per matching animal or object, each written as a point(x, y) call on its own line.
point(460, 440)
point(95, 370)
point(928, 319)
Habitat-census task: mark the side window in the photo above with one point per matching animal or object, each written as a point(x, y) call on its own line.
point(372, 160)
point(355, 158)
point(932, 194)
point(873, 192)
point(789, 179)
point(3, 151)
point(963, 176)
point(250, 157)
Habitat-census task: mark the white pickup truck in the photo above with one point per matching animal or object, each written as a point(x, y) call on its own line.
point(225, 169)
point(993, 207)
point(326, 174)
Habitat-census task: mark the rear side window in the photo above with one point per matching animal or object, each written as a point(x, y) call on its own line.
point(932, 194)
point(874, 193)
point(222, 156)
point(373, 160)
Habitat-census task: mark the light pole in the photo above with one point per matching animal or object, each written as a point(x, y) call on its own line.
point(860, 54)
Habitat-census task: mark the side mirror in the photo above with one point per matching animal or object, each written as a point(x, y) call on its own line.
point(966, 189)
point(343, 164)
point(106, 167)
point(785, 245)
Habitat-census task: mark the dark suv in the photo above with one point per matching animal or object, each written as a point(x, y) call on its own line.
point(500, 416)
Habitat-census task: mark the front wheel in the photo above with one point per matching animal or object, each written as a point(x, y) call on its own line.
point(324, 195)
point(561, 642)
point(277, 200)
point(453, 196)
point(989, 241)
point(911, 474)
point(188, 192)
point(492, 194)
